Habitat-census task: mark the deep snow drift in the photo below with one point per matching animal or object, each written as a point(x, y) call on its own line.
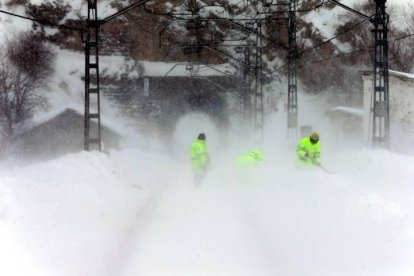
point(136, 212)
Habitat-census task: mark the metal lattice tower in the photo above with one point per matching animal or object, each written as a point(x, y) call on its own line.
point(92, 95)
point(258, 99)
point(246, 82)
point(292, 73)
point(380, 98)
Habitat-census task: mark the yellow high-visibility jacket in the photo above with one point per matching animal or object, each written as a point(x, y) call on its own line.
point(251, 158)
point(308, 154)
point(199, 156)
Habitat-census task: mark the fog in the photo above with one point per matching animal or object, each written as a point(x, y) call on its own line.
point(135, 211)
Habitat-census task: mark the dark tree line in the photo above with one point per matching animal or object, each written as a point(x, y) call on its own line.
point(26, 62)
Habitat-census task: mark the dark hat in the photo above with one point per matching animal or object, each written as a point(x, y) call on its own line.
point(314, 137)
point(201, 136)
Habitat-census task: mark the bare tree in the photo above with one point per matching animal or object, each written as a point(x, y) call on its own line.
point(24, 67)
point(28, 53)
point(401, 48)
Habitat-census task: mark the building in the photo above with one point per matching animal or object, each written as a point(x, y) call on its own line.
point(401, 103)
point(346, 125)
point(60, 134)
point(162, 92)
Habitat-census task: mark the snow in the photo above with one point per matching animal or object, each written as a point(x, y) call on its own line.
point(325, 18)
point(8, 28)
point(136, 212)
point(326, 22)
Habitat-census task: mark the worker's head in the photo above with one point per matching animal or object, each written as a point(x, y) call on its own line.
point(258, 155)
point(314, 138)
point(201, 136)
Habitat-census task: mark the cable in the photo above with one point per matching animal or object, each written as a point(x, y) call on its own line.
point(316, 7)
point(332, 38)
point(355, 51)
point(335, 56)
point(313, 9)
point(125, 10)
point(403, 37)
point(303, 3)
point(351, 9)
point(300, 11)
point(42, 21)
point(282, 68)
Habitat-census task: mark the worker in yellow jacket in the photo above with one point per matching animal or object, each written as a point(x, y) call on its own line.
point(246, 166)
point(308, 151)
point(253, 157)
point(200, 159)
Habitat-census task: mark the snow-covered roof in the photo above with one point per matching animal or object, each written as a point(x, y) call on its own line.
point(401, 74)
point(111, 65)
point(391, 73)
point(347, 110)
point(45, 117)
point(185, 69)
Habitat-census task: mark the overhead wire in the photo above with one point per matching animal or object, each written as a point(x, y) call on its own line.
point(283, 68)
point(334, 37)
point(51, 24)
point(404, 37)
point(42, 21)
point(354, 51)
point(334, 56)
point(301, 11)
point(314, 8)
point(106, 19)
point(306, 2)
point(124, 10)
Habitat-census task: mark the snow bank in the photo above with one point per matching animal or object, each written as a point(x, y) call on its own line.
point(136, 212)
point(68, 214)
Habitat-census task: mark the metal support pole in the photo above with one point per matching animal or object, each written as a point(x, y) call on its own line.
point(92, 134)
point(380, 100)
point(292, 74)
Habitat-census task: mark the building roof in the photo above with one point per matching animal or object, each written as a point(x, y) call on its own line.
point(59, 135)
point(117, 64)
point(401, 75)
point(346, 110)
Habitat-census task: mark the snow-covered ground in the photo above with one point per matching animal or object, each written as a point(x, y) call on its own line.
point(136, 212)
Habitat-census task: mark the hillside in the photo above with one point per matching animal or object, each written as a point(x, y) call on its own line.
point(162, 31)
